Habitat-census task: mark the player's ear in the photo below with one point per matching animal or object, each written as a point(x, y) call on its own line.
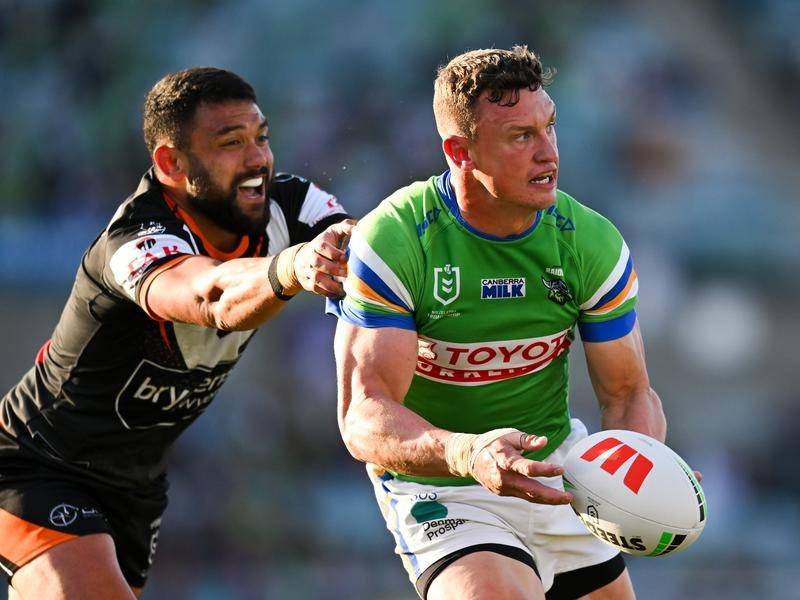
point(169, 161)
point(456, 148)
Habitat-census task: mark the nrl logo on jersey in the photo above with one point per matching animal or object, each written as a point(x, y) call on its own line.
point(446, 283)
point(506, 287)
point(558, 290)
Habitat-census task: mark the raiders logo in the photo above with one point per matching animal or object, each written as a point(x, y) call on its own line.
point(558, 291)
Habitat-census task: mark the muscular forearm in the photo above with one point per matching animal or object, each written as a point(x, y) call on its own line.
point(240, 294)
point(386, 433)
point(639, 411)
point(237, 295)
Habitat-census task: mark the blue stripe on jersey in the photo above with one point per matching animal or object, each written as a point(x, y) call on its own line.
point(368, 276)
point(605, 331)
point(342, 310)
point(445, 189)
point(618, 287)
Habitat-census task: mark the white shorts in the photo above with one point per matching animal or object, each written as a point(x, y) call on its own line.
point(430, 523)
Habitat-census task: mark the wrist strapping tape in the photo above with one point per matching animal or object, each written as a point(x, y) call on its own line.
point(461, 450)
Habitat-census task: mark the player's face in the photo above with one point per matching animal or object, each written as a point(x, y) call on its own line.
point(230, 165)
point(515, 151)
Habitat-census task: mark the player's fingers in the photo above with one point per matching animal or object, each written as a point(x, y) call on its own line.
point(530, 441)
point(533, 491)
point(327, 250)
point(339, 230)
point(535, 468)
point(325, 266)
point(525, 441)
point(698, 475)
point(325, 286)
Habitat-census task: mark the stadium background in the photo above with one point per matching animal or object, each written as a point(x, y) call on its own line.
point(678, 120)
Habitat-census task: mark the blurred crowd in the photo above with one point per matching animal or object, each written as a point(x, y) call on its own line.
point(678, 120)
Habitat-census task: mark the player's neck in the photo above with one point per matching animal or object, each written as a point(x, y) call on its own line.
point(488, 214)
point(221, 239)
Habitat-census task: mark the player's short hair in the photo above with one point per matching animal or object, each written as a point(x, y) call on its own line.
point(503, 73)
point(173, 101)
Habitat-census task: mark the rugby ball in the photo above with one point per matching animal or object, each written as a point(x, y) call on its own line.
point(634, 493)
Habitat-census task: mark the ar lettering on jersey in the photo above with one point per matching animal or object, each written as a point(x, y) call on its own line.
point(509, 287)
point(132, 259)
point(557, 271)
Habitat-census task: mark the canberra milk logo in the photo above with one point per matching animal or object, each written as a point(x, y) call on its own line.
point(510, 287)
point(446, 283)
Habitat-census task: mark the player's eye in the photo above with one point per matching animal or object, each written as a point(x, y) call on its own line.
point(231, 143)
point(263, 138)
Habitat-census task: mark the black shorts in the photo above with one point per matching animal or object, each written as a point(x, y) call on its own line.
point(41, 507)
point(566, 586)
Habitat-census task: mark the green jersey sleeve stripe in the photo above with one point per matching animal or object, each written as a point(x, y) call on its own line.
point(616, 277)
point(626, 293)
point(384, 277)
point(606, 331)
point(356, 315)
point(364, 284)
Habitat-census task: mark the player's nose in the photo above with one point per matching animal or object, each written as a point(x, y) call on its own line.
point(258, 156)
point(546, 150)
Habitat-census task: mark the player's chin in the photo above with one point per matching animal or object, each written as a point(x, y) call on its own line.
point(251, 207)
point(252, 216)
point(541, 199)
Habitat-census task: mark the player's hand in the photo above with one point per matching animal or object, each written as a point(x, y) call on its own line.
point(501, 468)
point(322, 259)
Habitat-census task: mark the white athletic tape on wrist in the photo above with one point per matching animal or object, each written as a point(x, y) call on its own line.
point(457, 449)
point(461, 450)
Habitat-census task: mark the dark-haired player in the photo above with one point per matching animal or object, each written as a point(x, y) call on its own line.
point(210, 246)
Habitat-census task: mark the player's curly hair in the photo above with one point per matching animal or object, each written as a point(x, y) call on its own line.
point(502, 73)
point(174, 99)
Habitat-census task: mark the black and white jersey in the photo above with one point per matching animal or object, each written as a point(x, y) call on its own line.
point(114, 387)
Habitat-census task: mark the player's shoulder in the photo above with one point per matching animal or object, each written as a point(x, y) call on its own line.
point(285, 185)
point(567, 214)
point(577, 223)
point(302, 200)
point(146, 209)
point(409, 211)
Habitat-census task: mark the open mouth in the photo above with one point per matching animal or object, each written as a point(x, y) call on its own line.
point(253, 188)
point(544, 179)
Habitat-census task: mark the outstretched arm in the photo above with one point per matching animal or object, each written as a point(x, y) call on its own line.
point(237, 295)
point(375, 368)
point(619, 377)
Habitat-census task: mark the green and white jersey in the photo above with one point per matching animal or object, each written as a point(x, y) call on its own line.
point(495, 316)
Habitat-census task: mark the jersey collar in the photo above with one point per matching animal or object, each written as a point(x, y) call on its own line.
point(448, 194)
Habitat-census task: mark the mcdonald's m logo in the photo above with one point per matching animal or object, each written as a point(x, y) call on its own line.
point(638, 470)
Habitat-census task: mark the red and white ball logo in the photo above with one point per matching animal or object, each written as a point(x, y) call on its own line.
point(633, 492)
